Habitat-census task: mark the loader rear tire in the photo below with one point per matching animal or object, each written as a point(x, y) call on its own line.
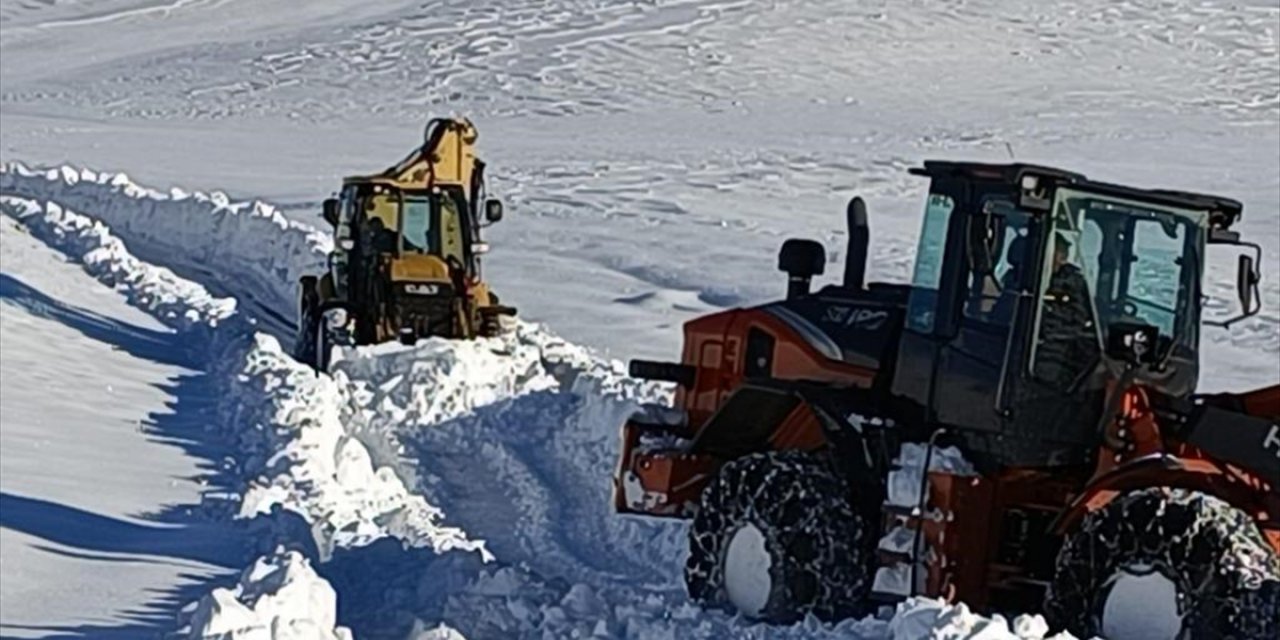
point(1174, 562)
point(776, 538)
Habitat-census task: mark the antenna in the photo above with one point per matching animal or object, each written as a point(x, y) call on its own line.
point(1008, 147)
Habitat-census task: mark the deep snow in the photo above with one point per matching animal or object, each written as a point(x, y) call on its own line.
point(653, 156)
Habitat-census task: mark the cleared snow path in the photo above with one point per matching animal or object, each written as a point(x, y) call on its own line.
point(102, 460)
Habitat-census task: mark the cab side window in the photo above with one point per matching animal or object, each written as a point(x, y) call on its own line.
point(381, 226)
point(993, 297)
point(922, 305)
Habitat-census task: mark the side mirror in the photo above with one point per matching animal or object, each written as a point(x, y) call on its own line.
point(984, 242)
point(1247, 277)
point(330, 211)
point(801, 260)
point(1246, 282)
point(492, 210)
point(1133, 343)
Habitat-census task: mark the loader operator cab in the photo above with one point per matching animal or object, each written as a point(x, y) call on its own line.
point(1022, 276)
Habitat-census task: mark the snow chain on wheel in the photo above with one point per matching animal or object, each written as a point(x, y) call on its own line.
point(816, 545)
point(1226, 577)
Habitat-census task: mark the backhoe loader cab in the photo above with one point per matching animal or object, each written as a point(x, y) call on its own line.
point(406, 256)
point(1017, 428)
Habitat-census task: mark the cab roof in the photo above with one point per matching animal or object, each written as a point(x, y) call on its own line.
point(1223, 212)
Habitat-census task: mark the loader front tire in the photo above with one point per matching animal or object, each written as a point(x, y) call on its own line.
point(776, 538)
point(1166, 562)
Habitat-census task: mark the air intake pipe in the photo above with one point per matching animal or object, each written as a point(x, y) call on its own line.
point(801, 260)
point(855, 263)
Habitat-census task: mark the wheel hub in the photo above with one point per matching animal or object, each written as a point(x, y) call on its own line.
point(1141, 604)
point(747, 581)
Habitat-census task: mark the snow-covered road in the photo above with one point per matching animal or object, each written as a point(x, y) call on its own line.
point(103, 456)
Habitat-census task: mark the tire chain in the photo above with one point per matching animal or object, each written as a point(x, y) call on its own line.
point(815, 541)
point(1227, 577)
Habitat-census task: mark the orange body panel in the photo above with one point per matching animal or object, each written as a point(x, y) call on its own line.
point(714, 346)
point(658, 482)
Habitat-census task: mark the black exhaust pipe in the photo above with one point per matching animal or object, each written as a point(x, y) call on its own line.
point(855, 263)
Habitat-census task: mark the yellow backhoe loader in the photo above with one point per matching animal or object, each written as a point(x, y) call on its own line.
point(406, 257)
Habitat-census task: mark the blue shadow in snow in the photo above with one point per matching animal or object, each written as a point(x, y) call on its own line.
point(179, 533)
point(90, 532)
point(148, 344)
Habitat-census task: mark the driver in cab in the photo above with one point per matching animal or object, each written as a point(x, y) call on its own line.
point(1068, 338)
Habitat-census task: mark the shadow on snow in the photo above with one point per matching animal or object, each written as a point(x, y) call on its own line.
point(196, 534)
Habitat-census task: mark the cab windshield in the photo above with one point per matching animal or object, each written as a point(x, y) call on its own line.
point(416, 224)
point(1111, 260)
point(398, 222)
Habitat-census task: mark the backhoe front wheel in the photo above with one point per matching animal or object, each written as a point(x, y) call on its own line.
point(1167, 563)
point(776, 538)
point(304, 347)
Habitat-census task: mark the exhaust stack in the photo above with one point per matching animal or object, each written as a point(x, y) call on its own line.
point(855, 263)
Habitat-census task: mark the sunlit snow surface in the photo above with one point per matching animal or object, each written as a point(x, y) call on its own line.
point(653, 157)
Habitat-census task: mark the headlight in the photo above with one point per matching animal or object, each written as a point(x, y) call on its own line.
point(336, 318)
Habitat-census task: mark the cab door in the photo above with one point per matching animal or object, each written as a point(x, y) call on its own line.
point(972, 361)
point(930, 317)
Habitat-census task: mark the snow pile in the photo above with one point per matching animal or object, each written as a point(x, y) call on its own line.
point(303, 458)
point(252, 247)
point(438, 380)
point(931, 618)
point(279, 598)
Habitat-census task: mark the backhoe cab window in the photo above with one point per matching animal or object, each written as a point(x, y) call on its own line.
point(416, 224)
point(399, 223)
point(1113, 260)
point(381, 221)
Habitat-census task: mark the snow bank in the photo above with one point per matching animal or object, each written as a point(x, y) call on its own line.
point(178, 303)
point(246, 249)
